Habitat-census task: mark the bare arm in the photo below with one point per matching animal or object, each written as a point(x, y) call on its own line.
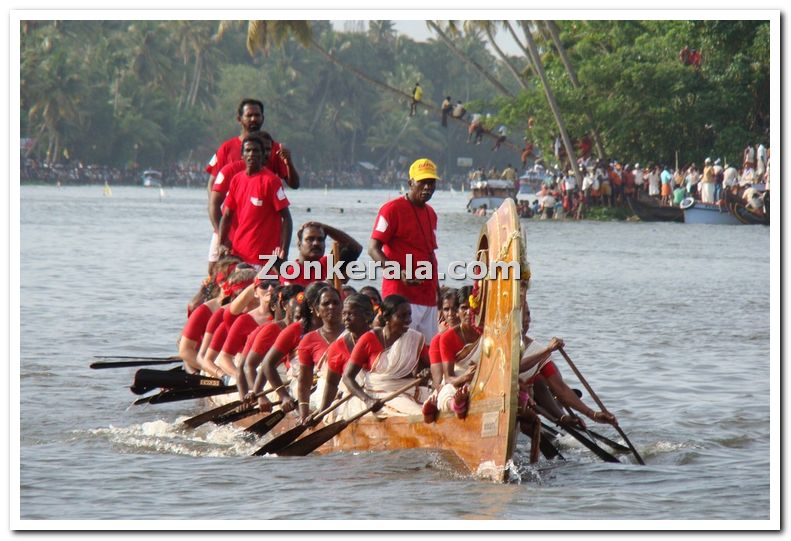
point(285, 232)
point(350, 379)
point(345, 241)
point(225, 228)
point(273, 358)
point(293, 176)
point(215, 209)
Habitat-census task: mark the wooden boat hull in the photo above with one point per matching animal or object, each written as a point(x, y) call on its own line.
point(481, 444)
point(649, 211)
point(708, 213)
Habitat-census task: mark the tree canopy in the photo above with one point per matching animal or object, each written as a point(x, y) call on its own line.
point(158, 92)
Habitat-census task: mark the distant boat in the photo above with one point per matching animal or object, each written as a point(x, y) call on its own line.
point(696, 212)
point(490, 193)
point(649, 210)
point(152, 178)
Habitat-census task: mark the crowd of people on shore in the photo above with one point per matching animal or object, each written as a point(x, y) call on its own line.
point(610, 183)
point(254, 322)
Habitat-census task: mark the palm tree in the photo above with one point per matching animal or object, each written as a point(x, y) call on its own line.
point(554, 33)
point(452, 29)
point(539, 69)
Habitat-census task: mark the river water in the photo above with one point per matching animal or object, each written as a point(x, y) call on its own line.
point(669, 323)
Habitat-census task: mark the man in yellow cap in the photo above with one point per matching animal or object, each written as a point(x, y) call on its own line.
point(405, 233)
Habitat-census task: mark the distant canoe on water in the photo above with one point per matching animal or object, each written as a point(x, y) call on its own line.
point(152, 178)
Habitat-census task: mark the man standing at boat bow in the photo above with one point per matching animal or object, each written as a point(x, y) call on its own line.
point(405, 233)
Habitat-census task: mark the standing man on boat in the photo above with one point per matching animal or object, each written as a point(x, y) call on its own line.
point(405, 232)
point(250, 116)
point(256, 221)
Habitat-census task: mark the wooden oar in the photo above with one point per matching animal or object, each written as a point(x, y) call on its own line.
point(175, 395)
point(263, 426)
point(601, 406)
point(141, 361)
point(205, 417)
point(614, 444)
point(598, 451)
point(146, 378)
point(281, 442)
point(316, 439)
point(239, 415)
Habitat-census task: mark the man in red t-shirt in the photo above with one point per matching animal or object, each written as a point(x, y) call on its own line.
point(311, 242)
point(405, 233)
point(256, 208)
point(251, 117)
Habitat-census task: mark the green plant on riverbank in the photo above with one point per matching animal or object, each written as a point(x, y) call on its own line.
point(606, 214)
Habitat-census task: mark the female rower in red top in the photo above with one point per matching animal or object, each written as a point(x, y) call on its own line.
point(459, 349)
point(255, 301)
point(539, 379)
point(448, 317)
point(390, 356)
point(286, 308)
point(357, 316)
point(216, 331)
point(312, 350)
point(200, 311)
point(284, 349)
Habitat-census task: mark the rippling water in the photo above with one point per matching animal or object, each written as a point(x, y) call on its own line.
point(669, 324)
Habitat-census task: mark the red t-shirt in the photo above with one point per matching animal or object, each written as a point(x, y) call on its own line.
point(404, 228)
point(266, 338)
point(311, 348)
point(215, 320)
point(237, 334)
point(288, 340)
point(300, 279)
point(226, 174)
point(256, 202)
point(231, 150)
point(366, 350)
point(338, 355)
point(218, 338)
point(434, 349)
point(251, 338)
point(450, 345)
point(547, 370)
point(197, 322)
point(229, 318)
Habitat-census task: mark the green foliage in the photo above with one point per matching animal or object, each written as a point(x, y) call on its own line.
point(156, 92)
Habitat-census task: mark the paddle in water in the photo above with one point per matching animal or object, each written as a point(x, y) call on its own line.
point(601, 406)
point(205, 417)
point(598, 451)
point(313, 441)
point(286, 438)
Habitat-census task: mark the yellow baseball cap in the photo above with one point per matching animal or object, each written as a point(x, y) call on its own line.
point(423, 169)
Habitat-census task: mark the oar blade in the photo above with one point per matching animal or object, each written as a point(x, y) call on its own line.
point(98, 365)
point(206, 416)
point(238, 415)
point(176, 395)
point(313, 441)
point(281, 441)
point(266, 424)
point(595, 449)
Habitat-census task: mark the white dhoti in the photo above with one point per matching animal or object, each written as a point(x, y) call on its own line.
point(469, 355)
point(706, 192)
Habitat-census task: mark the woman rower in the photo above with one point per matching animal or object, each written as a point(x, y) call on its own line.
point(312, 350)
point(216, 328)
point(540, 380)
point(284, 349)
point(286, 305)
point(390, 356)
point(198, 319)
point(357, 315)
point(254, 305)
point(459, 349)
point(448, 317)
